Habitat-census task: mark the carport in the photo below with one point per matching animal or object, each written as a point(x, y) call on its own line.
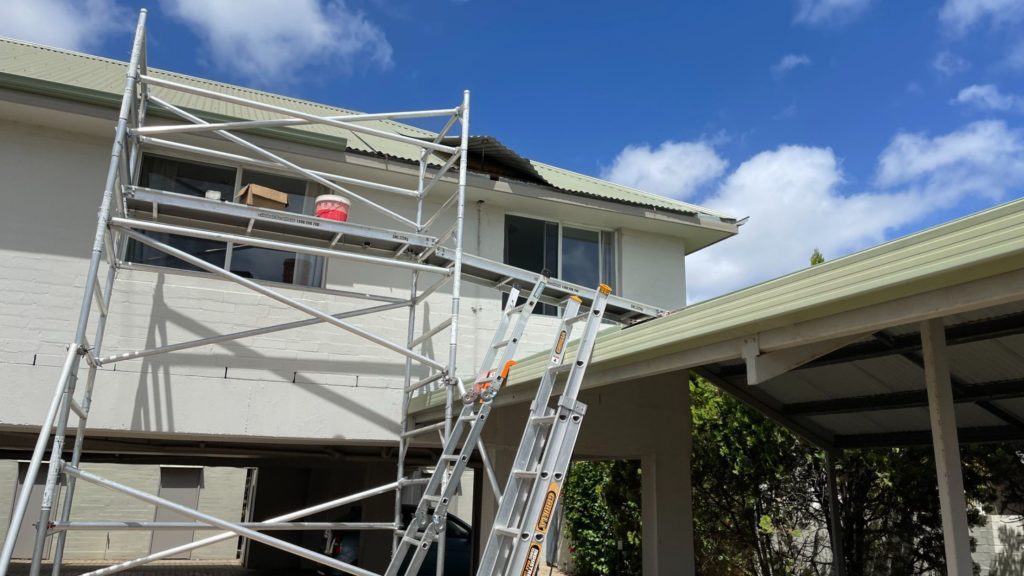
point(919, 340)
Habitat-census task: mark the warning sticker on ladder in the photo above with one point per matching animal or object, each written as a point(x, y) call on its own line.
point(550, 499)
point(532, 563)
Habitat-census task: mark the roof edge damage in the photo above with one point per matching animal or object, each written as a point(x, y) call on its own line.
point(96, 80)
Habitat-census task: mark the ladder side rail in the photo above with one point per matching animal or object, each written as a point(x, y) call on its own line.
point(526, 555)
point(458, 466)
point(460, 217)
point(86, 405)
point(528, 445)
point(403, 441)
point(530, 501)
point(471, 412)
point(62, 395)
point(419, 520)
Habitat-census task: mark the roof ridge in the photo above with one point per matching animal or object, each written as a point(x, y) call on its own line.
point(210, 82)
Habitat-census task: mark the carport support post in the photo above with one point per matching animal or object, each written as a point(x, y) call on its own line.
point(947, 449)
point(666, 494)
point(835, 514)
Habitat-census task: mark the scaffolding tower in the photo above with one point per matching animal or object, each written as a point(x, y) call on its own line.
point(434, 258)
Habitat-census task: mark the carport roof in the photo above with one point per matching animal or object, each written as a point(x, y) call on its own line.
point(850, 326)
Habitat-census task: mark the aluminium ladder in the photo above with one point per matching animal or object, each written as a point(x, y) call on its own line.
point(425, 526)
point(531, 493)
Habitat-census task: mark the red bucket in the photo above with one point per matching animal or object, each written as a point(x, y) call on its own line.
point(332, 207)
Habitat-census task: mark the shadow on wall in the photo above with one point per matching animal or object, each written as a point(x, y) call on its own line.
point(1010, 560)
point(153, 408)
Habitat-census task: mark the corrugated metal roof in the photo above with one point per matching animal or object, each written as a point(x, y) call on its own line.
point(978, 246)
point(101, 80)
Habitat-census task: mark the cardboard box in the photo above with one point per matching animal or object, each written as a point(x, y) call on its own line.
point(262, 197)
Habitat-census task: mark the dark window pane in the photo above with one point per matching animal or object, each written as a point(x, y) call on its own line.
point(532, 245)
point(581, 251)
point(184, 178)
point(212, 252)
point(275, 265)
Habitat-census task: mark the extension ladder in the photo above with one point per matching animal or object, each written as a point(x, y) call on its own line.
point(432, 511)
point(525, 513)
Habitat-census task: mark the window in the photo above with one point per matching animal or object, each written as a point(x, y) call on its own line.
point(195, 179)
point(584, 256)
point(274, 265)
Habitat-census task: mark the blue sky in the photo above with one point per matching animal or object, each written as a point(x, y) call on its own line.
point(831, 123)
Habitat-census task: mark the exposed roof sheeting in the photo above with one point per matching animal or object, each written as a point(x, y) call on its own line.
point(32, 67)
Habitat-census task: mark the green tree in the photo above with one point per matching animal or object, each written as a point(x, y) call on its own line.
point(602, 517)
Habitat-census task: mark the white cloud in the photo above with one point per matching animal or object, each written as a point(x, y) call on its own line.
point(788, 63)
point(796, 201)
point(269, 41)
point(988, 97)
point(793, 198)
point(983, 158)
point(64, 23)
point(674, 169)
point(949, 64)
point(819, 12)
point(959, 16)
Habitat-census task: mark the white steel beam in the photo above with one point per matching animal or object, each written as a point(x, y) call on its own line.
point(955, 532)
point(256, 287)
point(293, 113)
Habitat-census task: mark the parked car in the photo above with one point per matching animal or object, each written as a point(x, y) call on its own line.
point(344, 545)
point(458, 552)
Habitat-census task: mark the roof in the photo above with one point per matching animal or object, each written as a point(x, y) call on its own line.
point(76, 76)
point(988, 244)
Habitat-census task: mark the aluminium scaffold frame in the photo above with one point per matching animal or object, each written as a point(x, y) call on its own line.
point(127, 211)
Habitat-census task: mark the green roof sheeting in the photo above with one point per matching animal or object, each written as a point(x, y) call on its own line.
point(76, 76)
point(977, 246)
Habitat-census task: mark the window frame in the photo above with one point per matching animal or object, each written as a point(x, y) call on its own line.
point(239, 168)
point(562, 224)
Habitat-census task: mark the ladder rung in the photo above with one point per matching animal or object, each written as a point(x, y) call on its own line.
point(561, 367)
point(578, 317)
point(411, 541)
point(547, 420)
point(424, 430)
point(501, 344)
point(428, 380)
point(516, 309)
point(468, 418)
point(431, 498)
point(506, 531)
point(524, 473)
point(452, 457)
